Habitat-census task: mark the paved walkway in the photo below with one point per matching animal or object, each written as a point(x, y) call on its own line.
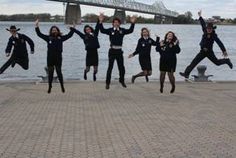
point(198, 121)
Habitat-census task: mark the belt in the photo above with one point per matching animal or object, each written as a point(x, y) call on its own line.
point(116, 47)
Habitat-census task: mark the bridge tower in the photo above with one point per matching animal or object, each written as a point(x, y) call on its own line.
point(158, 19)
point(168, 20)
point(120, 14)
point(73, 13)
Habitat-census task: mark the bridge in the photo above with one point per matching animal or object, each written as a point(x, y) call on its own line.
point(160, 12)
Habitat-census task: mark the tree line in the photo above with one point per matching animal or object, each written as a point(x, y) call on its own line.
point(45, 17)
point(186, 18)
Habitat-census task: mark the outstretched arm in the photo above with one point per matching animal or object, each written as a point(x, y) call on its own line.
point(79, 33)
point(30, 42)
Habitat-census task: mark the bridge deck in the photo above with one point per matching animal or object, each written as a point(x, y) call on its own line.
point(126, 5)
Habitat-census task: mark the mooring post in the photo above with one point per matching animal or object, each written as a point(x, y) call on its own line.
point(201, 77)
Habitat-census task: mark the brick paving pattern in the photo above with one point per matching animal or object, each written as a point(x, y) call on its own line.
point(198, 121)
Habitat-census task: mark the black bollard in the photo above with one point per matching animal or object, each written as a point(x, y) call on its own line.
point(201, 77)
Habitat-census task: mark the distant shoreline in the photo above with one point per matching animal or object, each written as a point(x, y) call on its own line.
point(108, 23)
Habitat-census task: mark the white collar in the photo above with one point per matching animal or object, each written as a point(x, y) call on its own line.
point(118, 29)
point(17, 36)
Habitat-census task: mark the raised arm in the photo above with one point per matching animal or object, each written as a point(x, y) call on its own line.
point(131, 29)
point(159, 45)
point(154, 43)
point(79, 33)
point(202, 21)
point(102, 29)
point(177, 48)
point(38, 32)
point(69, 35)
point(30, 42)
point(96, 31)
point(157, 40)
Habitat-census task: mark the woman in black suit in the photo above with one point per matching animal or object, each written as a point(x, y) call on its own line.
point(168, 60)
point(143, 49)
point(90, 38)
point(54, 41)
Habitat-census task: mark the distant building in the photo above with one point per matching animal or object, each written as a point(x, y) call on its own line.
point(215, 19)
point(57, 18)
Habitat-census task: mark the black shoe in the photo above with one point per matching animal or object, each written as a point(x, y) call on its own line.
point(133, 79)
point(49, 89)
point(123, 84)
point(13, 64)
point(230, 64)
point(94, 77)
point(85, 75)
point(184, 75)
point(147, 79)
point(173, 89)
point(107, 86)
point(161, 89)
point(63, 89)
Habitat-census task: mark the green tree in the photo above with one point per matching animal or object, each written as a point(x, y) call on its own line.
point(186, 18)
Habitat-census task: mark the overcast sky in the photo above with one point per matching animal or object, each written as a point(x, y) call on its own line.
point(224, 8)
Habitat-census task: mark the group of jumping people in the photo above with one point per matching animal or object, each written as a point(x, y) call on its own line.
point(168, 49)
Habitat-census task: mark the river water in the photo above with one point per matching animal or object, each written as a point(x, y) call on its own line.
point(74, 52)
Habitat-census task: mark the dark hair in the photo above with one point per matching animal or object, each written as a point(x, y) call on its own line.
point(174, 37)
point(143, 29)
point(50, 31)
point(116, 19)
point(87, 26)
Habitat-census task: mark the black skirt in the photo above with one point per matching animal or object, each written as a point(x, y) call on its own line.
point(168, 64)
point(145, 63)
point(54, 59)
point(92, 57)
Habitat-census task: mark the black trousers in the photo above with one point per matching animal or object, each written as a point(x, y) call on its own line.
point(54, 62)
point(23, 62)
point(200, 56)
point(118, 56)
